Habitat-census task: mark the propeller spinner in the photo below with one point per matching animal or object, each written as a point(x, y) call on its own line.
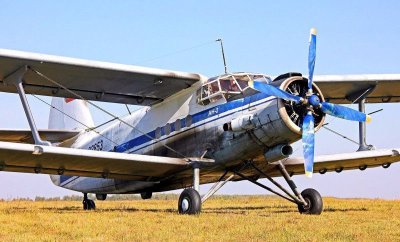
point(311, 102)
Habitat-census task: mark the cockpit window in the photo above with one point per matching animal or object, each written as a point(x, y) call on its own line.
point(243, 81)
point(210, 92)
point(260, 78)
point(230, 87)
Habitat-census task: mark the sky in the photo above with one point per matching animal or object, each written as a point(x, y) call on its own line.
point(354, 37)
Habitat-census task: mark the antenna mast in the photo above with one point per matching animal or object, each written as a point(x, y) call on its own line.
point(223, 54)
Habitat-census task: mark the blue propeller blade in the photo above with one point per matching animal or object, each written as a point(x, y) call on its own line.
point(312, 51)
point(308, 143)
point(344, 112)
point(276, 92)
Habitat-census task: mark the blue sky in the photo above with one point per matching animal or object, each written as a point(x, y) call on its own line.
point(354, 37)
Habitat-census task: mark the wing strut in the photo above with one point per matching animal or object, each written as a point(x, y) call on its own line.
point(360, 97)
point(16, 79)
point(362, 130)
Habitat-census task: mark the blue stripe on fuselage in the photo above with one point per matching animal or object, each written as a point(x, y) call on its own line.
point(196, 118)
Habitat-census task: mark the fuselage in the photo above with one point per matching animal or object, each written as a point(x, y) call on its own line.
point(190, 128)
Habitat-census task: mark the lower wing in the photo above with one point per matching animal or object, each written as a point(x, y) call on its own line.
point(344, 161)
point(29, 158)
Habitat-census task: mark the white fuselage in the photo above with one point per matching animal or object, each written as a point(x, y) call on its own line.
point(190, 128)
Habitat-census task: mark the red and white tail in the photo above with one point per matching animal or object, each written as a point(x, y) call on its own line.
point(64, 108)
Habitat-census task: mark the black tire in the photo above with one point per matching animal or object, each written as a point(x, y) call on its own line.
point(101, 197)
point(189, 202)
point(92, 205)
point(146, 195)
point(314, 202)
point(89, 204)
point(85, 204)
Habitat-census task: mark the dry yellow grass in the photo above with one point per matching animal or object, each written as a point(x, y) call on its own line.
point(243, 218)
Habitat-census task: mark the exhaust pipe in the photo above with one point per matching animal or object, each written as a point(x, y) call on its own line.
point(278, 152)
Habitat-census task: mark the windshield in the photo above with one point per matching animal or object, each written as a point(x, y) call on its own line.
point(229, 87)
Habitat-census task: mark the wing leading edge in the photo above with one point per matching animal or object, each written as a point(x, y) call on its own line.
point(93, 80)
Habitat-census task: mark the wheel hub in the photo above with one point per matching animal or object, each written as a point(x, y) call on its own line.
point(185, 204)
point(307, 206)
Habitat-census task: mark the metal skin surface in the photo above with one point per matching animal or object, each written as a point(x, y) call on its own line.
point(205, 135)
point(226, 122)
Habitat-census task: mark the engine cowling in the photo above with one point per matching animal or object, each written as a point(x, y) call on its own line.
point(271, 126)
point(242, 123)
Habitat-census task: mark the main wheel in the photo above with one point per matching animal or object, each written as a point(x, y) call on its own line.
point(85, 204)
point(92, 205)
point(146, 195)
point(100, 196)
point(189, 202)
point(89, 204)
point(313, 200)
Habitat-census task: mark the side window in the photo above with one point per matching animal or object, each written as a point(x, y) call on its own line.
point(209, 92)
point(158, 133)
point(211, 89)
point(200, 95)
point(167, 129)
point(189, 121)
point(177, 125)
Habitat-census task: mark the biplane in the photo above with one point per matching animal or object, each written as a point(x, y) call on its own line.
point(191, 129)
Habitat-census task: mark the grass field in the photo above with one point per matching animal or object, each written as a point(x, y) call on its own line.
point(239, 218)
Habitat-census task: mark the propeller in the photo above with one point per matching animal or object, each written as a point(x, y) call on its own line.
point(308, 143)
point(276, 92)
point(311, 101)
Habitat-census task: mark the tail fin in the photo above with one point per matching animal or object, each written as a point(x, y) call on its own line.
point(65, 108)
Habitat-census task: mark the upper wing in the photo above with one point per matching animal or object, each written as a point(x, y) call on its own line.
point(93, 80)
point(344, 161)
point(25, 136)
point(76, 162)
point(347, 88)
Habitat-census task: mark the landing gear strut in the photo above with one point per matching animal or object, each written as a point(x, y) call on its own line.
point(190, 200)
point(309, 201)
point(87, 203)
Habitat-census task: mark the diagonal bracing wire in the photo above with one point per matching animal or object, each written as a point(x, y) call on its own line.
point(103, 110)
point(333, 118)
point(341, 135)
point(69, 116)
